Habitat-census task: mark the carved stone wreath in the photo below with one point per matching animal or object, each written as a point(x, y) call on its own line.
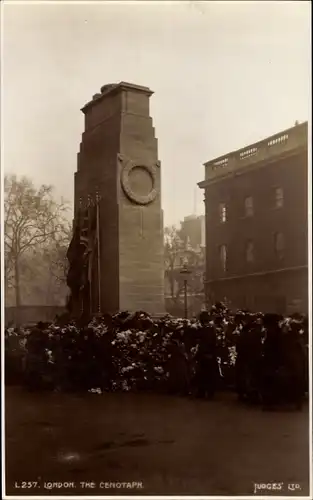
point(125, 181)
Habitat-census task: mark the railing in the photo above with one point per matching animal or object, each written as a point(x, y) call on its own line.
point(247, 153)
point(278, 140)
point(220, 163)
point(288, 140)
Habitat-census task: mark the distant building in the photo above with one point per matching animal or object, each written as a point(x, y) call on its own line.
point(257, 224)
point(193, 231)
point(186, 248)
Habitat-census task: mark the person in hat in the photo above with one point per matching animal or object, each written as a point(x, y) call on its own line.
point(272, 361)
point(293, 388)
point(207, 372)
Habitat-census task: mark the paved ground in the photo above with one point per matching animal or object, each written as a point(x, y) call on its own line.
point(171, 445)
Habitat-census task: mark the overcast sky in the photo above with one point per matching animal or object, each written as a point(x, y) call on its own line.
point(225, 74)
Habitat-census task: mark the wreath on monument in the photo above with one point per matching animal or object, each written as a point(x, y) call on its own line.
point(125, 181)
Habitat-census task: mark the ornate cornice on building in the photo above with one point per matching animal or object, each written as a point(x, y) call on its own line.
point(278, 146)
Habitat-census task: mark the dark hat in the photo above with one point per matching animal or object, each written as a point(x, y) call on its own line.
point(204, 317)
point(271, 319)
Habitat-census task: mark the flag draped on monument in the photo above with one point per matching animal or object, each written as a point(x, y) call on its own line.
point(82, 253)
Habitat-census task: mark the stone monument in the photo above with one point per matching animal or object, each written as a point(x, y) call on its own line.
point(116, 254)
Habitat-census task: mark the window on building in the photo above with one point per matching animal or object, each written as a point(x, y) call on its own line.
point(249, 211)
point(223, 257)
point(250, 252)
point(279, 245)
point(222, 212)
point(279, 197)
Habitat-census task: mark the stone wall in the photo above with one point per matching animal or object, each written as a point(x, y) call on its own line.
point(31, 314)
point(283, 293)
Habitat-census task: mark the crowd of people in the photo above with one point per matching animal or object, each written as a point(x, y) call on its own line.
point(264, 357)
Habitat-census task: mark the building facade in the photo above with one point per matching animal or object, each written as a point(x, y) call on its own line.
point(185, 247)
point(256, 210)
point(193, 231)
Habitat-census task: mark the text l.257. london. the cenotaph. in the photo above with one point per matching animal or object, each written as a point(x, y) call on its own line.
point(118, 207)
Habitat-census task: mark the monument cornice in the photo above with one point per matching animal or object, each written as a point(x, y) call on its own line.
point(115, 89)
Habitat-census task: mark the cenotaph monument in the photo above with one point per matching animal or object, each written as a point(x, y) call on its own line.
point(116, 255)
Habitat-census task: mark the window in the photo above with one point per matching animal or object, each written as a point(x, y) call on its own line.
point(250, 252)
point(223, 257)
point(222, 212)
point(249, 212)
point(279, 245)
point(279, 197)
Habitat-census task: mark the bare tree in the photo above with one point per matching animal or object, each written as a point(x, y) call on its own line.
point(55, 258)
point(56, 254)
point(33, 220)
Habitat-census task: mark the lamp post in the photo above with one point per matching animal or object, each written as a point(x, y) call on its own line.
point(185, 272)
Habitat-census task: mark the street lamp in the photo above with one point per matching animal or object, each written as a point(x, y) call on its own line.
point(185, 271)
